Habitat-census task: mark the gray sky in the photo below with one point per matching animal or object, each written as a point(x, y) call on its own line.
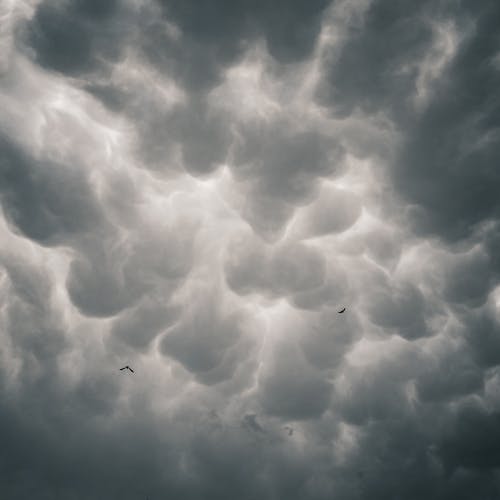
point(195, 188)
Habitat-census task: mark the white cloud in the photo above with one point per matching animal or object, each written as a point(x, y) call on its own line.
point(199, 203)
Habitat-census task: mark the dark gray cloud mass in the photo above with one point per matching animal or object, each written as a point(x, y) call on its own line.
point(194, 189)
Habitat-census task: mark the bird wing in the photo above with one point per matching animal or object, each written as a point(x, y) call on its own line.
point(123, 368)
point(131, 369)
point(342, 310)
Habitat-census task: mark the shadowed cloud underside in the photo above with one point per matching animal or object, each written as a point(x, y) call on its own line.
point(284, 216)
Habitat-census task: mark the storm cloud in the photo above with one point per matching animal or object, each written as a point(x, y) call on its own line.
point(195, 189)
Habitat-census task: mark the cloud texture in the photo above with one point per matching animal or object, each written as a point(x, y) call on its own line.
point(195, 188)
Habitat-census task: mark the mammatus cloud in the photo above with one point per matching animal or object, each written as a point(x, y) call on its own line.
point(195, 189)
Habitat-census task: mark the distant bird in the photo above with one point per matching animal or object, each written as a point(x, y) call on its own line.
point(289, 429)
point(341, 311)
point(127, 368)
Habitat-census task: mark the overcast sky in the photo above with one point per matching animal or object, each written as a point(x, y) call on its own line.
point(195, 188)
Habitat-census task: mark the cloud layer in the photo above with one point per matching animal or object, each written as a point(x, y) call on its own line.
point(195, 189)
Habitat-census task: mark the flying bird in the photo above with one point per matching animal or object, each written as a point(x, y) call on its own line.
point(127, 368)
point(289, 429)
point(341, 311)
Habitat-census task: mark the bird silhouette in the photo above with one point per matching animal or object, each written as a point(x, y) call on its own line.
point(341, 311)
point(127, 368)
